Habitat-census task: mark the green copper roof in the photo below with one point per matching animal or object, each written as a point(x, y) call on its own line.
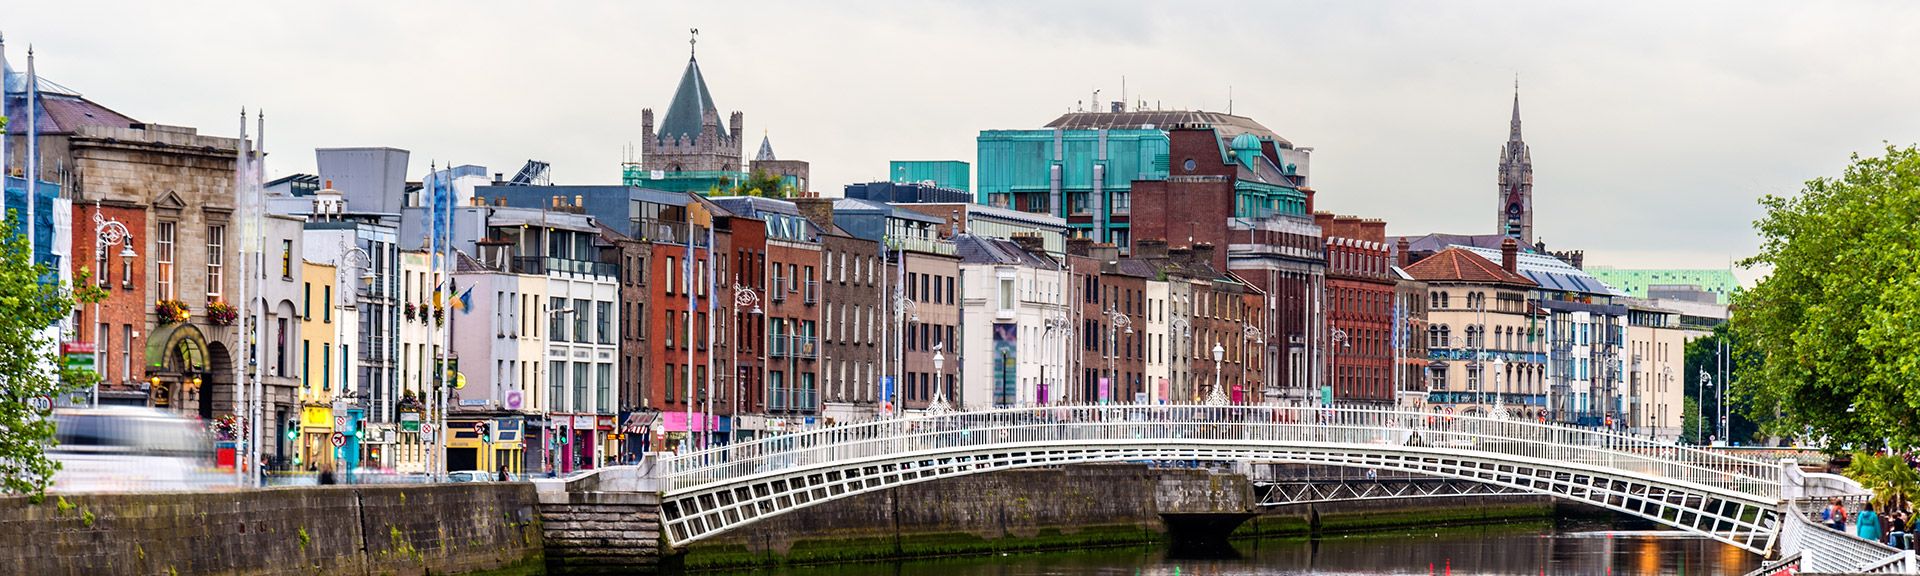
point(690, 102)
point(1635, 281)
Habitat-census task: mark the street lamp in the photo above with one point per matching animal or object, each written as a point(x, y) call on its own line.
point(1253, 334)
point(1184, 333)
point(1499, 403)
point(1333, 361)
point(106, 233)
point(1666, 378)
point(939, 405)
point(1700, 408)
point(1055, 322)
point(1215, 398)
point(742, 296)
point(1115, 321)
point(904, 311)
point(354, 258)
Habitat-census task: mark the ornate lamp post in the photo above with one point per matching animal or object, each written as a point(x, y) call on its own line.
point(354, 258)
point(1048, 383)
point(1250, 336)
point(1115, 321)
point(742, 296)
point(1333, 358)
point(107, 233)
point(1215, 397)
point(1183, 332)
point(904, 311)
point(939, 405)
point(1499, 402)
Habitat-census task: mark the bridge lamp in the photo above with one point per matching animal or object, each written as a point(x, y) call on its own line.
point(1219, 354)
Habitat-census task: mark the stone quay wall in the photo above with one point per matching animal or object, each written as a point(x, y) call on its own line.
point(387, 530)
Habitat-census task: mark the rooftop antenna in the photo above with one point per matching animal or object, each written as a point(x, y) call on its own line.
point(1123, 92)
point(1094, 104)
point(1229, 98)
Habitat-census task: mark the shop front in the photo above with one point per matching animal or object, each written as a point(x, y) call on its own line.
point(678, 432)
point(486, 443)
point(316, 438)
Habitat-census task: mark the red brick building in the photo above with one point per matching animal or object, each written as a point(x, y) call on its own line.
point(115, 324)
point(1359, 303)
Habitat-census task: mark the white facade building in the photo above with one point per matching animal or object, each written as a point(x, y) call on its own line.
point(1013, 324)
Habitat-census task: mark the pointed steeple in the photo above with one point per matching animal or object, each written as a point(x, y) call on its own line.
point(691, 102)
point(1515, 135)
point(766, 150)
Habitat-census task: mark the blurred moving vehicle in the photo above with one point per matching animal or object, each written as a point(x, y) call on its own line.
point(122, 449)
point(470, 476)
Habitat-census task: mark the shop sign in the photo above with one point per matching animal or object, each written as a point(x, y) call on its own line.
point(604, 422)
point(316, 417)
point(410, 421)
point(584, 422)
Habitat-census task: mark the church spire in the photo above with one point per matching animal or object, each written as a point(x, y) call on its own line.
point(1515, 135)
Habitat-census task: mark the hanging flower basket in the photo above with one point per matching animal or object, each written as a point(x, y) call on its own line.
point(412, 310)
point(222, 313)
point(226, 427)
point(439, 315)
point(409, 403)
point(171, 311)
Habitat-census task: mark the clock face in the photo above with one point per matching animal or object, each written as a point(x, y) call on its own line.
point(1189, 165)
point(1513, 209)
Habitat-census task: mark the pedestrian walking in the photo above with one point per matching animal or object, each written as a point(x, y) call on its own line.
point(326, 476)
point(1868, 523)
point(504, 477)
point(1897, 526)
point(1836, 515)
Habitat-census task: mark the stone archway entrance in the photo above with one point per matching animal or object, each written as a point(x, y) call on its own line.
point(178, 367)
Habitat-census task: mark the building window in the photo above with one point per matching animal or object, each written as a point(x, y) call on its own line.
point(216, 242)
point(603, 321)
point(580, 319)
point(579, 387)
point(326, 303)
point(603, 380)
point(126, 352)
point(326, 367)
point(163, 258)
point(557, 322)
point(556, 384)
point(286, 258)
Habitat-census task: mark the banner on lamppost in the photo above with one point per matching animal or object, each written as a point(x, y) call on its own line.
point(886, 395)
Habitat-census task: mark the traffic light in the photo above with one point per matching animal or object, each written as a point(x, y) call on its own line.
point(293, 431)
point(480, 428)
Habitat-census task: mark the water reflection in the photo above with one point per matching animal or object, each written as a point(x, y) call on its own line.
point(1489, 551)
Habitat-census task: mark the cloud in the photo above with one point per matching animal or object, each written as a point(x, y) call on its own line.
point(1654, 126)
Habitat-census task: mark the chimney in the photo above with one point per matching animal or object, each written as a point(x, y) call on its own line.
point(1180, 255)
point(1510, 255)
point(1032, 243)
point(1373, 230)
point(1150, 248)
point(1079, 246)
point(1104, 252)
point(1401, 253)
point(817, 210)
point(496, 178)
point(1324, 220)
point(1203, 253)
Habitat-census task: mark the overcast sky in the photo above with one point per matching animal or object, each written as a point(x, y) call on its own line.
point(1654, 125)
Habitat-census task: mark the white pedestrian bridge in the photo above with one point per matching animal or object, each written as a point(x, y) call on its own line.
point(1726, 497)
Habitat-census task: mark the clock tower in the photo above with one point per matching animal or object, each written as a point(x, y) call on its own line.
point(1515, 211)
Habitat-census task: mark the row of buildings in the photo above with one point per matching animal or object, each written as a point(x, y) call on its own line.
point(1122, 256)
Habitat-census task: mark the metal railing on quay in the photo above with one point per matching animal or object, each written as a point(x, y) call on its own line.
point(1253, 426)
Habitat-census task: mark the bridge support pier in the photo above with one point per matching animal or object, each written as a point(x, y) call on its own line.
point(1202, 535)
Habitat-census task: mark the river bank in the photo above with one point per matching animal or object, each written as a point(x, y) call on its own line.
point(1037, 510)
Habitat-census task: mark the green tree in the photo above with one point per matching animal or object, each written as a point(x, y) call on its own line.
point(30, 302)
point(1892, 479)
point(1701, 355)
point(1690, 421)
point(761, 183)
point(1829, 341)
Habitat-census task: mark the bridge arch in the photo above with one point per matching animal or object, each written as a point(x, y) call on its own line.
point(1727, 498)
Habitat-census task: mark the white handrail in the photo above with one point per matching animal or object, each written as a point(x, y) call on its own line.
point(1310, 426)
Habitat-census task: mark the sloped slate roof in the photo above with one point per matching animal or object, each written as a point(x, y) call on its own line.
point(984, 250)
point(690, 103)
point(1458, 264)
point(1553, 274)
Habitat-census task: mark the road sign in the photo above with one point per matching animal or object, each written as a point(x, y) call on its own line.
point(339, 439)
point(340, 422)
point(41, 403)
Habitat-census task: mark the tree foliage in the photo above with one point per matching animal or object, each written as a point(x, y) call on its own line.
point(30, 365)
point(761, 183)
point(1892, 478)
point(1830, 340)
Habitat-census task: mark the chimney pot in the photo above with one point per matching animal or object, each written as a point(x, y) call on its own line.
point(1510, 255)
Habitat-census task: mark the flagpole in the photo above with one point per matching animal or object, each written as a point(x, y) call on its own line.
point(33, 152)
point(713, 300)
point(245, 358)
point(431, 387)
point(254, 204)
point(687, 281)
point(446, 331)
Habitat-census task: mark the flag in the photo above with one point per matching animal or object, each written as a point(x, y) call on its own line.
point(464, 302)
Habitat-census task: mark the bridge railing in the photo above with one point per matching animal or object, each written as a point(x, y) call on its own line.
point(1214, 426)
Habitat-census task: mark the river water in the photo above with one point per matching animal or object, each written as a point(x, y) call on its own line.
point(1494, 550)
